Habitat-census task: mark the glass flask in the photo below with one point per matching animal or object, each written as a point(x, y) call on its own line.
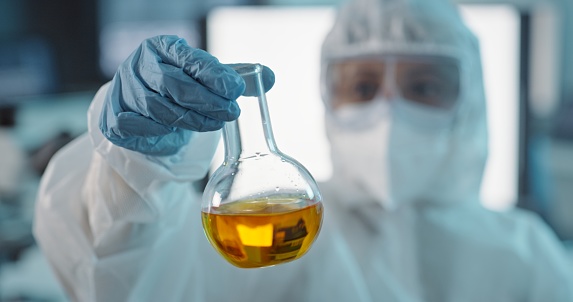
point(260, 207)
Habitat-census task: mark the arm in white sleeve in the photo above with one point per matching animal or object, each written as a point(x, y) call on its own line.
point(102, 210)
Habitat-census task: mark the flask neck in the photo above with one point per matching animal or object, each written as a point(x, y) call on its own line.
point(251, 135)
point(248, 137)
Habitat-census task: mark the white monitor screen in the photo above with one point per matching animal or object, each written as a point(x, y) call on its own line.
point(288, 40)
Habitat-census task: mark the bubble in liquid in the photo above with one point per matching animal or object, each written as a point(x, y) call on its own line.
point(277, 189)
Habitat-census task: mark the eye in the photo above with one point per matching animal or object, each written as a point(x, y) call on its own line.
point(365, 90)
point(427, 89)
point(430, 90)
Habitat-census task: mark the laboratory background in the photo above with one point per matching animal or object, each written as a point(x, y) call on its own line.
point(54, 55)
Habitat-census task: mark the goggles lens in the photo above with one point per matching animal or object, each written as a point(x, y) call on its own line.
point(433, 82)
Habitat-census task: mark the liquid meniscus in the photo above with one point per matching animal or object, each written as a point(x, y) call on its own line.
point(253, 234)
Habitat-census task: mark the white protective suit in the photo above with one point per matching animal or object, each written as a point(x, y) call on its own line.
point(117, 225)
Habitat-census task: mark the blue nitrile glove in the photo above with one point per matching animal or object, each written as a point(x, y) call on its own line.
point(166, 88)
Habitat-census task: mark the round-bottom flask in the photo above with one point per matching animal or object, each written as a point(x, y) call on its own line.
point(260, 207)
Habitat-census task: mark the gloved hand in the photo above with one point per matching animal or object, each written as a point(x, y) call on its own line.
point(165, 89)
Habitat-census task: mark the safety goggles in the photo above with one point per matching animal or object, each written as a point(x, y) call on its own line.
point(429, 81)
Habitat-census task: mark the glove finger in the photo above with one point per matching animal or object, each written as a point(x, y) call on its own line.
point(268, 77)
point(199, 64)
point(166, 112)
point(175, 86)
point(195, 121)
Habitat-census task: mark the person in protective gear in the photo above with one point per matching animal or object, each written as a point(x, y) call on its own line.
point(119, 220)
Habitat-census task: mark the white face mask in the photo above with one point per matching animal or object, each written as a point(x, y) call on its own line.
point(395, 158)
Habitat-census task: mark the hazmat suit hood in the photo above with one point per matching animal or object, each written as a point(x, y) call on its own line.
point(366, 28)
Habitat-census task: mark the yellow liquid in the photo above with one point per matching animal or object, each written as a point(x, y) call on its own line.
point(256, 234)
